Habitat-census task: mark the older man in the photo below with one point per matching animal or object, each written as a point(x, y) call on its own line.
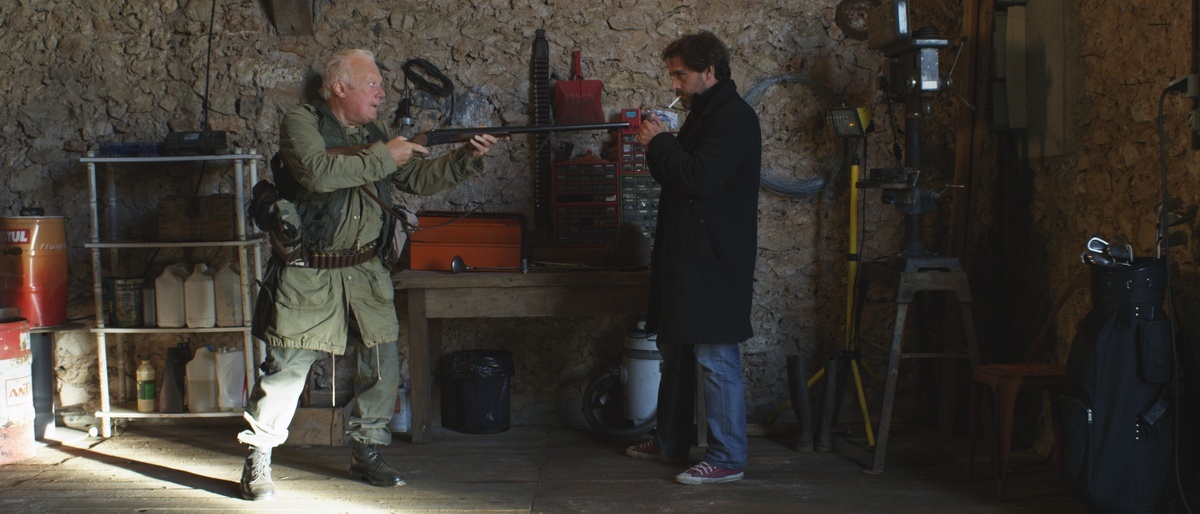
point(335, 295)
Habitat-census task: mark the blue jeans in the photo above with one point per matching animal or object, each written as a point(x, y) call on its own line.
point(724, 396)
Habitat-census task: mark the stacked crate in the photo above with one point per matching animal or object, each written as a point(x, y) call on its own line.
point(638, 190)
point(584, 202)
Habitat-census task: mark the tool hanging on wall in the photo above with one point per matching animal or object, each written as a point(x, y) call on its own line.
point(426, 77)
point(539, 80)
point(577, 100)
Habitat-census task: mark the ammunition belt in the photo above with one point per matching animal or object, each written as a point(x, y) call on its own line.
point(332, 259)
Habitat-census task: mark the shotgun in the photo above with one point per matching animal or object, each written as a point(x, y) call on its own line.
point(460, 135)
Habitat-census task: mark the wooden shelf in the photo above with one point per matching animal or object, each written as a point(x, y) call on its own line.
point(129, 410)
point(166, 330)
point(178, 158)
point(249, 241)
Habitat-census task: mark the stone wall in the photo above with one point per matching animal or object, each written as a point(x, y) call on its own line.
point(80, 73)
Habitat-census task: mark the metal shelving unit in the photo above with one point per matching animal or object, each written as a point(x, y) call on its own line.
point(242, 242)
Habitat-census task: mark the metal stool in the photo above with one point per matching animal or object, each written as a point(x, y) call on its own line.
point(906, 284)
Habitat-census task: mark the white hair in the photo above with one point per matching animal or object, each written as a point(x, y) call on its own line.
point(339, 69)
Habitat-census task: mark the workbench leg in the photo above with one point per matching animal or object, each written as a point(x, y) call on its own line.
point(889, 390)
point(419, 367)
point(701, 408)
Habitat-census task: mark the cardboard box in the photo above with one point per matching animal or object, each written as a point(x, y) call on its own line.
point(196, 218)
point(313, 426)
point(482, 240)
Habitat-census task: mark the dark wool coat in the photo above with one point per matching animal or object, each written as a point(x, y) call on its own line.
point(706, 239)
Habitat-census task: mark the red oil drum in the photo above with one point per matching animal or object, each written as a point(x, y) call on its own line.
point(16, 382)
point(33, 268)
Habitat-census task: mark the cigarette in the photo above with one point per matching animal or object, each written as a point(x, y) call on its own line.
point(674, 102)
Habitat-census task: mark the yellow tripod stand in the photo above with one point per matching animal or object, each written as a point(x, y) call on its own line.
point(850, 346)
point(857, 120)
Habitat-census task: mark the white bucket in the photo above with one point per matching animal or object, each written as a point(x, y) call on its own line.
point(641, 374)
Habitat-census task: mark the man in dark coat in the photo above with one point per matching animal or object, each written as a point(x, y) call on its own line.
point(702, 271)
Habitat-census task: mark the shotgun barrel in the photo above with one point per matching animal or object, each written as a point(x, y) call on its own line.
point(458, 135)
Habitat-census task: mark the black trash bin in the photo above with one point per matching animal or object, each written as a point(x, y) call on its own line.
point(476, 391)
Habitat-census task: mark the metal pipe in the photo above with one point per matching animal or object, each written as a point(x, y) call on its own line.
point(825, 434)
point(801, 404)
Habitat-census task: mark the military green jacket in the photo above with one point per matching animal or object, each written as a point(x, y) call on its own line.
point(314, 308)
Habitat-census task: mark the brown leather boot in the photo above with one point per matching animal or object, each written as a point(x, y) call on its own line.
point(256, 476)
point(366, 463)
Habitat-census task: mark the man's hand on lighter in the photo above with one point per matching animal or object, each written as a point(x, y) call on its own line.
point(480, 144)
point(651, 126)
point(402, 149)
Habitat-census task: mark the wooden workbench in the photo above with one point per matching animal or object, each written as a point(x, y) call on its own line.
point(425, 297)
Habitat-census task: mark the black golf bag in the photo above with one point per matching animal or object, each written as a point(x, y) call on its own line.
point(1118, 434)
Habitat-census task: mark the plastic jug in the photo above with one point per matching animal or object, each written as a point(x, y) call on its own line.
point(231, 380)
point(168, 296)
point(147, 400)
point(200, 298)
point(202, 381)
point(228, 285)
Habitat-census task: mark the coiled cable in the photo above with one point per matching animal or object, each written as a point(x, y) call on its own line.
point(415, 71)
point(827, 167)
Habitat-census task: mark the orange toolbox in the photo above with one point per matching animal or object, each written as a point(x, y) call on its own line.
point(489, 241)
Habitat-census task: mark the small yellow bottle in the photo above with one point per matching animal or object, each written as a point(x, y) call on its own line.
point(147, 399)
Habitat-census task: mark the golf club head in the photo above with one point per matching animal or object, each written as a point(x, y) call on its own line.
point(1177, 238)
point(1173, 203)
point(457, 265)
point(1095, 259)
point(1167, 220)
point(1122, 254)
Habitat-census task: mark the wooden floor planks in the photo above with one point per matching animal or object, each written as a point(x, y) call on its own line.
point(169, 467)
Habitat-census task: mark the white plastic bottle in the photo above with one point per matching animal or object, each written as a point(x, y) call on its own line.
point(228, 286)
point(200, 298)
point(168, 296)
point(201, 379)
point(147, 399)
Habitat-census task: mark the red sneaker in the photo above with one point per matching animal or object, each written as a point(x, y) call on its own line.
point(649, 450)
point(705, 473)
